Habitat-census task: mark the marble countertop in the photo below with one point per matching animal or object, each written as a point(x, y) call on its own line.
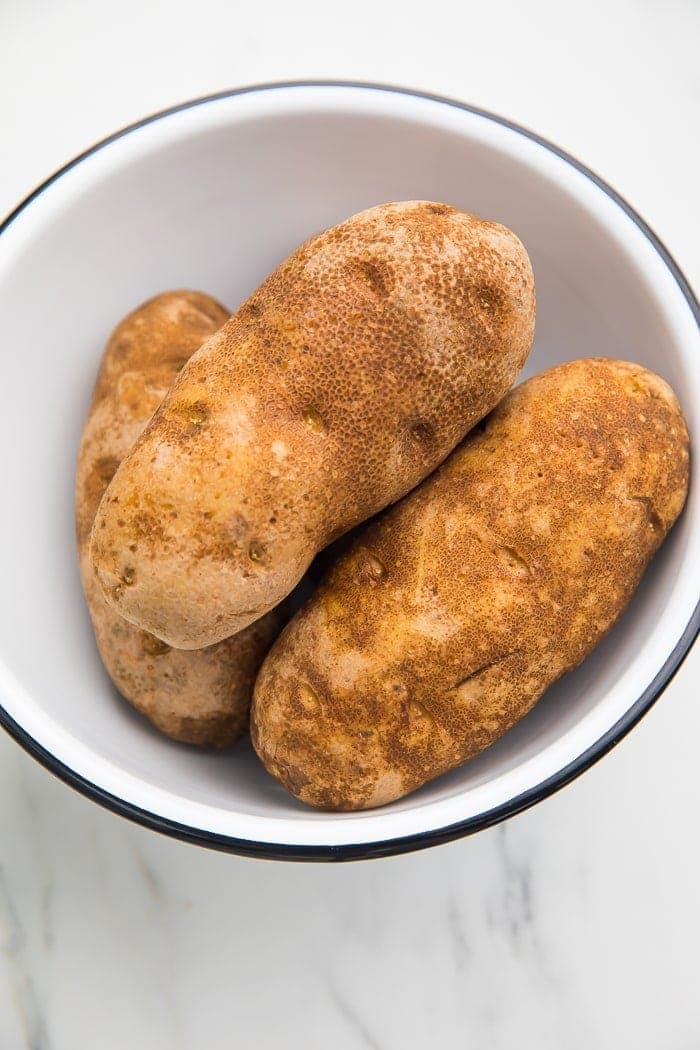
point(575, 925)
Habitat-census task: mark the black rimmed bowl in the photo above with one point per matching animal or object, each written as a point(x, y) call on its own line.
point(212, 195)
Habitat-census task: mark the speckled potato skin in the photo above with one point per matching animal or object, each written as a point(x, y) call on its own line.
point(449, 617)
point(345, 379)
point(200, 697)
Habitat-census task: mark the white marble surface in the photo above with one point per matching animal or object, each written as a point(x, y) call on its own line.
point(576, 925)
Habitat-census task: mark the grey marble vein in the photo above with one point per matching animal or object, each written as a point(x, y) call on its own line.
point(518, 887)
point(150, 877)
point(34, 824)
point(457, 932)
point(25, 992)
point(47, 909)
point(346, 1010)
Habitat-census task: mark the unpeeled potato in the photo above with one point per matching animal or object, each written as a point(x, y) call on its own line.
point(343, 381)
point(447, 619)
point(200, 697)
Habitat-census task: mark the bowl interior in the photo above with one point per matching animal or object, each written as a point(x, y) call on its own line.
point(214, 197)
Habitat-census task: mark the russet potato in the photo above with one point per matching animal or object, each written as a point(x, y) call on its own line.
point(343, 381)
point(449, 616)
point(200, 697)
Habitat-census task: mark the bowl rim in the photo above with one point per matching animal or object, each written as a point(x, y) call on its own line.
point(430, 837)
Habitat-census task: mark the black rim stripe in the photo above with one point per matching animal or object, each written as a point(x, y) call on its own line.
point(419, 840)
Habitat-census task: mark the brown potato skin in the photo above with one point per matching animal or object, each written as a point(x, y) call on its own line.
point(345, 379)
point(449, 617)
point(198, 697)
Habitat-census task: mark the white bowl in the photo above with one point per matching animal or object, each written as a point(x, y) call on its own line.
point(212, 195)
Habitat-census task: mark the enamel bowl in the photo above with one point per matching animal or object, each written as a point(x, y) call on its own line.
point(212, 195)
